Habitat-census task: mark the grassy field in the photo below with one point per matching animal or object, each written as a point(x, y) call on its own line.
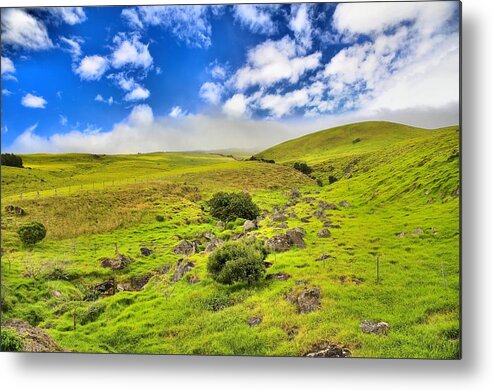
point(401, 185)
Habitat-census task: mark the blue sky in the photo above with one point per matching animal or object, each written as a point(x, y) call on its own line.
point(139, 79)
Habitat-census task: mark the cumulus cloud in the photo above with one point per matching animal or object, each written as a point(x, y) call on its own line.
point(301, 25)
point(130, 51)
point(189, 24)
point(22, 30)
point(177, 112)
point(92, 67)
point(236, 106)
point(7, 66)
point(274, 61)
point(368, 18)
point(99, 98)
point(258, 18)
point(69, 15)
point(33, 101)
point(72, 46)
point(211, 92)
point(137, 93)
point(6, 92)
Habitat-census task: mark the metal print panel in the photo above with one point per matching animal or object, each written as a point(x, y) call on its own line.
point(251, 179)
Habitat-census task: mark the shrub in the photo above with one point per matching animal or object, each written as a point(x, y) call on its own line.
point(10, 341)
point(303, 167)
point(230, 206)
point(9, 159)
point(159, 218)
point(356, 140)
point(31, 233)
point(237, 261)
point(332, 179)
point(217, 301)
point(319, 182)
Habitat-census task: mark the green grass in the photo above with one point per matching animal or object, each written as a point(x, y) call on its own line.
point(399, 179)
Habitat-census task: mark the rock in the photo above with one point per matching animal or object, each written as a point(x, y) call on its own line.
point(326, 206)
point(208, 236)
point(56, 294)
point(119, 262)
point(283, 242)
point(401, 235)
point(354, 280)
point(184, 248)
point(254, 321)
point(325, 233)
point(295, 193)
point(138, 283)
point(193, 280)
point(332, 351)
point(145, 252)
point(282, 225)
point(268, 264)
point(124, 286)
point(418, 231)
point(278, 217)
point(15, 210)
point(308, 300)
point(323, 257)
point(249, 225)
point(319, 214)
point(213, 244)
point(220, 224)
point(106, 287)
point(296, 236)
point(278, 276)
point(32, 338)
point(344, 204)
point(182, 268)
point(370, 327)
point(305, 219)
point(278, 243)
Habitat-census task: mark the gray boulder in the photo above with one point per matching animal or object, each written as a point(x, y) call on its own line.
point(370, 327)
point(249, 225)
point(184, 248)
point(325, 233)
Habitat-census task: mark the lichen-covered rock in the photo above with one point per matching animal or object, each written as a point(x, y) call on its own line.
point(249, 225)
point(119, 262)
point(308, 300)
point(370, 327)
point(213, 244)
point(296, 236)
point(344, 204)
point(331, 351)
point(182, 267)
point(325, 233)
point(184, 248)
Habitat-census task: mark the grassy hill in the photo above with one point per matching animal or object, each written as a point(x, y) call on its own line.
point(401, 187)
point(343, 141)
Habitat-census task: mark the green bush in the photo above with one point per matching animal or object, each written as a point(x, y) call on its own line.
point(230, 206)
point(10, 341)
point(9, 159)
point(303, 167)
point(31, 233)
point(237, 262)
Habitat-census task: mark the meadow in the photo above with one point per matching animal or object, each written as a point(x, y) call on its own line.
point(388, 194)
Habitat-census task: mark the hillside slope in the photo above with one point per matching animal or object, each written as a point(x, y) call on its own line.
point(342, 141)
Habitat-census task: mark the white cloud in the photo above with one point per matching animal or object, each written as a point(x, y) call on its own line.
point(73, 46)
point(33, 101)
point(130, 51)
point(131, 16)
point(300, 24)
point(7, 66)
point(177, 112)
point(211, 92)
point(20, 29)
point(274, 61)
point(368, 18)
point(123, 81)
point(256, 17)
point(63, 120)
point(99, 98)
point(218, 72)
point(138, 93)
point(236, 106)
point(69, 15)
point(92, 67)
point(6, 92)
point(189, 24)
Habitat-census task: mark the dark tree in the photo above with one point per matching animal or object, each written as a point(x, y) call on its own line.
point(11, 160)
point(303, 167)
